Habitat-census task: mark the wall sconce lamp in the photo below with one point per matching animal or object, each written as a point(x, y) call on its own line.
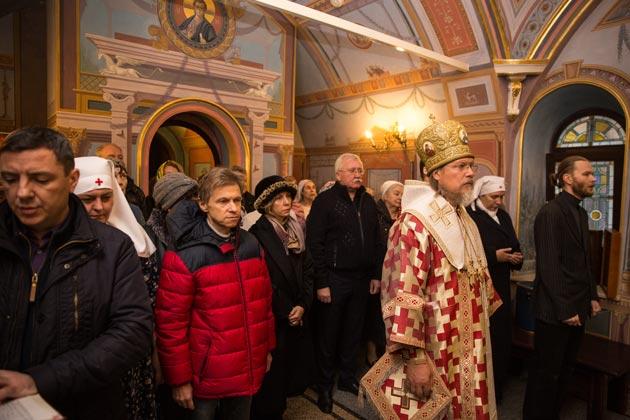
point(396, 134)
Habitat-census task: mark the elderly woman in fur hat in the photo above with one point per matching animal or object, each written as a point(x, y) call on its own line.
point(291, 272)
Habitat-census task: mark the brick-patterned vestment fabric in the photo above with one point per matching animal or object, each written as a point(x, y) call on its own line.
point(429, 304)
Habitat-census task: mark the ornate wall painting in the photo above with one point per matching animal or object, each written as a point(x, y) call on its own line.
point(360, 41)
point(617, 15)
point(200, 169)
point(472, 96)
point(451, 24)
point(199, 28)
point(376, 177)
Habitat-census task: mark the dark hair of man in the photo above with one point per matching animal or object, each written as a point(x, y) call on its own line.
point(566, 166)
point(32, 138)
point(218, 177)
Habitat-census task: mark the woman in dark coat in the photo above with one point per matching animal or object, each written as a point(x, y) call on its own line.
point(388, 210)
point(291, 272)
point(503, 253)
point(104, 201)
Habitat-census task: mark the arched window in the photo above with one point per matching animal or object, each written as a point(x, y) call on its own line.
point(599, 137)
point(592, 130)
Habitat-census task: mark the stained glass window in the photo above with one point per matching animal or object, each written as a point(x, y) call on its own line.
point(593, 130)
point(599, 207)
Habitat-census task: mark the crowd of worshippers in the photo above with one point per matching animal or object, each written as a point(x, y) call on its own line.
point(206, 301)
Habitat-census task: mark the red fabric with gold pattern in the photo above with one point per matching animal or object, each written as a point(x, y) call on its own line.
point(429, 304)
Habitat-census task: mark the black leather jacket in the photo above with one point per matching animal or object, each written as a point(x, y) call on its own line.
point(91, 319)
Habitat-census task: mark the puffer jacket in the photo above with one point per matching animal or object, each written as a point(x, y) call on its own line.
point(91, 318)
point(214, 321)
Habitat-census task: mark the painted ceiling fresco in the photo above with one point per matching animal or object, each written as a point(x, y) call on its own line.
point(474, 31)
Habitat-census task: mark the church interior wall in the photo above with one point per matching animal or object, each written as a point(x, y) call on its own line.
point(540, 128)
point(602, 36)
point(262, 40)
point(8, 66)
point(271, 164)
point(603, 71)
point(23, 68)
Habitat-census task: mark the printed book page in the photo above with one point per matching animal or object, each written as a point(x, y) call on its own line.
point(32, 407)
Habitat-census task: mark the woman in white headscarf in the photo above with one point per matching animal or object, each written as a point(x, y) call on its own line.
point(306, 193)
point(503, 253)
point(388, 210)
point(104, 201)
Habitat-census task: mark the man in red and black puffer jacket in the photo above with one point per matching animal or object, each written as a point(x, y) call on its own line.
point(214, 322)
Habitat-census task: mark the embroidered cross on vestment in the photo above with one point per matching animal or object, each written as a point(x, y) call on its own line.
point(441, 213)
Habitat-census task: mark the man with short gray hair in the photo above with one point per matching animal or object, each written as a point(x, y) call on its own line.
point(345, 242)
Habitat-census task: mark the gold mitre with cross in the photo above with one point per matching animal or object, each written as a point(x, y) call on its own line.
point(441, 143)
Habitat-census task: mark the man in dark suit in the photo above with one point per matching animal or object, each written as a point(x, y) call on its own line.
point(565, 293)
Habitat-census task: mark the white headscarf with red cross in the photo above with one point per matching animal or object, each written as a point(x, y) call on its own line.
point(96, 173)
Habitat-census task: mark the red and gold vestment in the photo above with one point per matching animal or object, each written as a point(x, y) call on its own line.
point(437, 295)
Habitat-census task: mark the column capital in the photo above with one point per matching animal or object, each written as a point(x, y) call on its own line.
point(75, 136)
point(119, 101)
point(285, 150)
point(258, 117)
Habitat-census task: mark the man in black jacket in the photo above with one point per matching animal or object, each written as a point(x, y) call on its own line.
point(74, 311)
point(344, 239)
point(565, 293)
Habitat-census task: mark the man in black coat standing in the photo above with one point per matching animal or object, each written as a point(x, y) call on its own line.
point(565, 293)
point(344, 239)
point(75, 314)
point(503, 253)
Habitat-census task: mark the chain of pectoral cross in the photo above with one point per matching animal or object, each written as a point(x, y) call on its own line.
point(475, 271)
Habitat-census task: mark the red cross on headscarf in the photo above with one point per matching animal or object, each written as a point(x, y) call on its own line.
point(98, 181)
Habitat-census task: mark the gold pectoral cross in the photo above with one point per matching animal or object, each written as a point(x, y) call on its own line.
point(441, 213)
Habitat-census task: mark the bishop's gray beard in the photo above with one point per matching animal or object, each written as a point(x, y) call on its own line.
point(457, 199)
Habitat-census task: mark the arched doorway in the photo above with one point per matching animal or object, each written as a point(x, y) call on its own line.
point(195, 132)
point(553, 111)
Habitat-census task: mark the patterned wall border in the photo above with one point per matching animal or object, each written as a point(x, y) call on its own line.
point(376, 85)
point(539, 17)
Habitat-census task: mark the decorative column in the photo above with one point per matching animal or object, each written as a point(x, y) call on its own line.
point(286, 153)
point(120, 123)
point(257, 138)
